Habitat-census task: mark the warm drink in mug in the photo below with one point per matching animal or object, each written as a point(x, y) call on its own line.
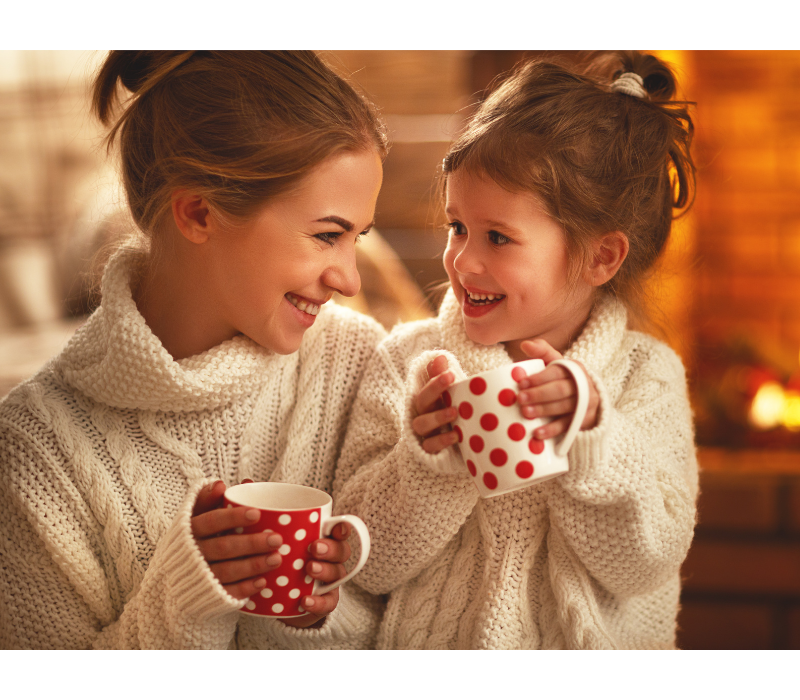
point(301, 515)
point(496, 440)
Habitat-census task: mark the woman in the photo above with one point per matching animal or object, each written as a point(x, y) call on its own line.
point(213, 358)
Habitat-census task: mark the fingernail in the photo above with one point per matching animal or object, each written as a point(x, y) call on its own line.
point(316, 568)
point(274, 540)
point(529, 411)
point(452, 413)
point(260, 583)
point(308, 602)
point(322, 548)
point(252, 514)
point(274, 559)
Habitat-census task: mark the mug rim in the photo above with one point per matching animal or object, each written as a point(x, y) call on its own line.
point(503, 368)
point(317, 497)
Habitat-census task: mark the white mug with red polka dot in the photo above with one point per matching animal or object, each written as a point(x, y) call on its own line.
point(496, 440)
point(301, 515)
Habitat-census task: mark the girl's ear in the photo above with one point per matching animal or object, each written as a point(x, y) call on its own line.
point(608, 252)
point(191, 214)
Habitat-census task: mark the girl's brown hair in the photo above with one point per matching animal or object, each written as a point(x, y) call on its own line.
point(236, 127)
point(598, 160)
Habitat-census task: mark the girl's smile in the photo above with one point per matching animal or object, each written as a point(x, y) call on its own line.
point(478, 303)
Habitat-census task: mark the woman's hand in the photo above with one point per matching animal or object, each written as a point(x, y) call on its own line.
point(552, 393)
point(238, 561)
point(328, 566)
point(432, 422)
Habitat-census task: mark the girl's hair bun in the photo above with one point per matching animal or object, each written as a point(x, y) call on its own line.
point(657, 78)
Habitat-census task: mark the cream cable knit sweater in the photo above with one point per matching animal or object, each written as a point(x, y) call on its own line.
point(587, 560)
point(103, 453)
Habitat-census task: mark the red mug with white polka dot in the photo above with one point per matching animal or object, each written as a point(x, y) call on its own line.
point(301, 515)
point(496, 440)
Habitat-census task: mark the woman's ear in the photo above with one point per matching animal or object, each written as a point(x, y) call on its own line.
point(608, 252)
point(191, 214)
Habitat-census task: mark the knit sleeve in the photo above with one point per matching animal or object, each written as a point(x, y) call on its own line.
point(413, 503)
point(627, 508)
point(56, 591)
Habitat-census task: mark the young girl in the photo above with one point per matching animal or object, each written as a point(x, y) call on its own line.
point(559, 194)
point(212, 359)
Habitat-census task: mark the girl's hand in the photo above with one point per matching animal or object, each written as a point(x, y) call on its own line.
point(552, 392)
point(432, 422)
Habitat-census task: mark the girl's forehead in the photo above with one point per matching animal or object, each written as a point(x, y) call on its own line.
point(483, 197)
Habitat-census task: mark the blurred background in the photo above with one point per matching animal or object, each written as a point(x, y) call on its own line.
point(726, 294)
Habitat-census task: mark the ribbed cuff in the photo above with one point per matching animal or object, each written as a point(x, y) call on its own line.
point(353, 624)
point(193, 590)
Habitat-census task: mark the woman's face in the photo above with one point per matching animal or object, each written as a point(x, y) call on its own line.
point(508, 264)
point(272, 275)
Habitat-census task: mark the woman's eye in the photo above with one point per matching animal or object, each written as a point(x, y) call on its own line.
point(498, 238)
point(328, 236)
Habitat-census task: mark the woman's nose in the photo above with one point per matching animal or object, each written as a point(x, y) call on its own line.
point(343, 275)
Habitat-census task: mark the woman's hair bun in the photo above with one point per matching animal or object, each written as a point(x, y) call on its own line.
point(133, 69)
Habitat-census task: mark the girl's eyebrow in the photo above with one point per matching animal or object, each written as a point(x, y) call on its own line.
point(500, 224)
point(344, 223)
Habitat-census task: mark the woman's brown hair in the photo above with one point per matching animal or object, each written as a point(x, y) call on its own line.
point(599, 160)
point(236, 127)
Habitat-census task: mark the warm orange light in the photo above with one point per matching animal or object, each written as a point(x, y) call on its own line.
point(791, 411)
point(766, 410)
point(773, 406)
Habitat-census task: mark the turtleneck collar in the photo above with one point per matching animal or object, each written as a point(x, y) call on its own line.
point(115, 359)
point(594, 347)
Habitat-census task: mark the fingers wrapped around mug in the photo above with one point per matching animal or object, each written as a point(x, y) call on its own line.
point(238, 561)
point(552, 394)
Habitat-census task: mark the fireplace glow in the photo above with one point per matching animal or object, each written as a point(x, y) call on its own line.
point(775, 406)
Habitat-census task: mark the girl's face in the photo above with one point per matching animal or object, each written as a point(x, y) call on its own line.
point(507, 261)
point(272, 275)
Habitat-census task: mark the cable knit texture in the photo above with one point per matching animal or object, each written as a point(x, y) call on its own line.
point(588, 560)
point(103, 453)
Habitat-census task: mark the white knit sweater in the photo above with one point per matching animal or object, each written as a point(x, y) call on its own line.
point(587, 560)
point(103, 453)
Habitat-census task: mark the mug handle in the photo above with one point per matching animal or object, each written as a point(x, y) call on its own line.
point(563, 445)
point(363, 535)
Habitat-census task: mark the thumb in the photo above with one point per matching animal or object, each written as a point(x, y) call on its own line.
point(539, 349)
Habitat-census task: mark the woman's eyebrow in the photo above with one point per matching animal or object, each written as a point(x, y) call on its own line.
point(339, 221)
point(344, 223)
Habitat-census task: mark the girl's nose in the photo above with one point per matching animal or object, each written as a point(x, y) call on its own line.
point(468, 260)
point(343, 275)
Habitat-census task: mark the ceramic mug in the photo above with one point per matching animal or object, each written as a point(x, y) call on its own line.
point(496, 440)
point(301, 515)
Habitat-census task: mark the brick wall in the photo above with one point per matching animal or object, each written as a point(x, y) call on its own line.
point(748, 205)
point(742, 575)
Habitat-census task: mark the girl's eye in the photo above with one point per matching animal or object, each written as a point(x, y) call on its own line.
point(498, 238)
point(455, 228)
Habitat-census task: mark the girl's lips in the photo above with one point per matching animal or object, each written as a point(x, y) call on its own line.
point(476, 311)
